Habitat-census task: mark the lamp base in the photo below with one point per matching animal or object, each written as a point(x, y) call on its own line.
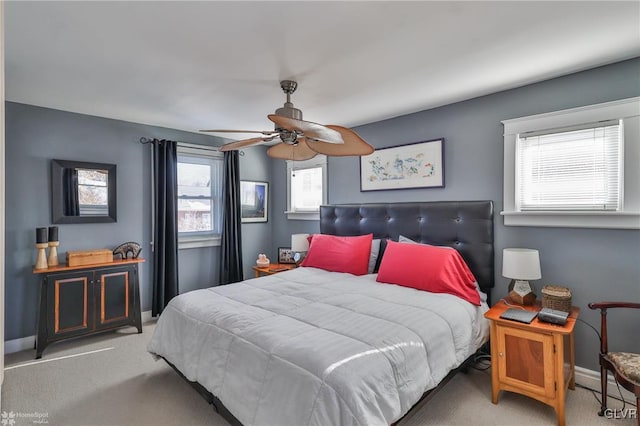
point(521, 292)
point(299, 256)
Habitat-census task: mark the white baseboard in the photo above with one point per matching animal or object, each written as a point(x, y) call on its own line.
point(25, 343)
point(17, 345)
point(146, 316)
point(591, 379)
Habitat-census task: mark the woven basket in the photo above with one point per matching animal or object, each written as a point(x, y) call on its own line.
point(556, 297)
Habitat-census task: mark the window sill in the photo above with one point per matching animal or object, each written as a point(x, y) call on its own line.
point(574, 219)
point(302, 215)
point(197, 242)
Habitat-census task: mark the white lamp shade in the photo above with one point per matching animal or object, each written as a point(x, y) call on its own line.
point(299, 242)
point(521, 264)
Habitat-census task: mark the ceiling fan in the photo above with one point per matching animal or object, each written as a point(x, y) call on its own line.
point(300, 139)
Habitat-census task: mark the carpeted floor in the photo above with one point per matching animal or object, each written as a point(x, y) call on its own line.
point(119, 383)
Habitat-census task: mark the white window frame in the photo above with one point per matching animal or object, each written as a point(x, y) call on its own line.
point(317, 161)
point(628, 217)
point(201, 240)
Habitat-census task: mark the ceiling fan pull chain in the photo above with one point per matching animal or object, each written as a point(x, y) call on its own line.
point(293, 161)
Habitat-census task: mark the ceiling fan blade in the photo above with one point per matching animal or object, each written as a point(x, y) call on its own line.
point(298, 152)
point(245, 142)
point(264, 132)
point(308, 128)
point(353, 144)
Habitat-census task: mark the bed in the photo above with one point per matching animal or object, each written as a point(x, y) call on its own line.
point(315, 347)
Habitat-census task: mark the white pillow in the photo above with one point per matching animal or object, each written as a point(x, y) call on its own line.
point(373, 256)
point(403, 239)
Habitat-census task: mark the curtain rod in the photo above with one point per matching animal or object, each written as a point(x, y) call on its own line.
point(144, 140)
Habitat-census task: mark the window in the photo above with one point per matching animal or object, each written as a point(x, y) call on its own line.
point(199, 196)
point(560, 171)
point(93, 192)
point(570, 170)
point(306, 188)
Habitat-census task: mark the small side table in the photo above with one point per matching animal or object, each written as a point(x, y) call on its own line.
point(536, 359)
point(273, 268)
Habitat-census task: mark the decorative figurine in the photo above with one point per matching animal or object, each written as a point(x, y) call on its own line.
point(124, 249)
point(263, 261)
point(54, 242)
point(41, 245)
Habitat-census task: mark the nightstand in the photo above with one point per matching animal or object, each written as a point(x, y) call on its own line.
point(273, 268)
point(536, 359)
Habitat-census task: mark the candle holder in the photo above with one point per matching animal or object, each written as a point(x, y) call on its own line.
point(41, 262)
point(52, 260)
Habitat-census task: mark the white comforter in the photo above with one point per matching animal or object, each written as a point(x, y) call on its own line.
point(311, 347)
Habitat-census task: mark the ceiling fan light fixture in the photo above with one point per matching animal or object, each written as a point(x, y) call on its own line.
point(298, 152)
point(288, 137)
point(300, 139)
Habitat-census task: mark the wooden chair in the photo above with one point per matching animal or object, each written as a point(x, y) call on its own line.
point(624, 366)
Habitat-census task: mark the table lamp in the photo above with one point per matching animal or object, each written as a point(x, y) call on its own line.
point(299, 246)
point(521, 265)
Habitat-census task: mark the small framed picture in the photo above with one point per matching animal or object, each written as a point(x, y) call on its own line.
point(254, 200)
point(285, 255)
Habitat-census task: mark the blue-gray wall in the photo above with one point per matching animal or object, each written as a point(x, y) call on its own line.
point(34, 136)
point(256, 236)
point(597, 264)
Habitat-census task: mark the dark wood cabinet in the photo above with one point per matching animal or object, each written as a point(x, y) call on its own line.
point(82, 300)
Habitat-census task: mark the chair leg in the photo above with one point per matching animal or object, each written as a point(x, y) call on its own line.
point(603, 387)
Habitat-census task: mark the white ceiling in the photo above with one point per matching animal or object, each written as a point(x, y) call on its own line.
point(194, 65)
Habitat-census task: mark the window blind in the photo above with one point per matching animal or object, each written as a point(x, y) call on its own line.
point(575, 169)
point(306, 189)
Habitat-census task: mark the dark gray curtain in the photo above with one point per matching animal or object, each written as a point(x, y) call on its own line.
point(70, 191)
point(165, 232)
point(231, 245)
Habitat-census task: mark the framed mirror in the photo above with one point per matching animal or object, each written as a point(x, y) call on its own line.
point(82, 192)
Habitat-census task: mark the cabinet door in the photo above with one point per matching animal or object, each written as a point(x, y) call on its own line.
point(525, 360)
point(69, 304)
point(115, 296)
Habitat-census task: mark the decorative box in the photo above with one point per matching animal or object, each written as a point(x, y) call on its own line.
point(89, 257)
point(556, 297)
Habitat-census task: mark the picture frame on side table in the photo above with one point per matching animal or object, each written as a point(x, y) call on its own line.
point(254, 201)
point(413, 165)
point(285, 255)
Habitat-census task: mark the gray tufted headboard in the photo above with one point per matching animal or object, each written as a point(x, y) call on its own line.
point(466, 226)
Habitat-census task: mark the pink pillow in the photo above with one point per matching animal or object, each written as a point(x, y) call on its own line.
point(339, 254)
point(430, 268)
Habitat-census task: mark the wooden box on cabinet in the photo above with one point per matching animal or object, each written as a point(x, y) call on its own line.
point(536, 359)
point(82, 300)
point(89, 257)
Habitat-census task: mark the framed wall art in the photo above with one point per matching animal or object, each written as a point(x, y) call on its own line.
point(254, 199)
point(414, 165)
point(285, 255)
